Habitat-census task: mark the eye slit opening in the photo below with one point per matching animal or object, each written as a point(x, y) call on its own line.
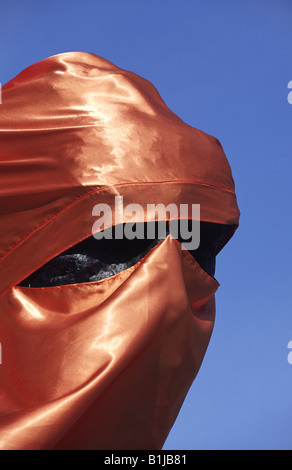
point(92, 260)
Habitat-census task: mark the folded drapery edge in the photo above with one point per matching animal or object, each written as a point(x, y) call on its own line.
point(73, 223)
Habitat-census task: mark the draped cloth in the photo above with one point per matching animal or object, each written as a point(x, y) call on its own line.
point(104, 364)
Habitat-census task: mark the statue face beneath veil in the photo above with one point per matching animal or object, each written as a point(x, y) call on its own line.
point(102, 336)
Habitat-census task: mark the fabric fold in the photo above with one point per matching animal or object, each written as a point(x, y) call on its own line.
point(106, 364)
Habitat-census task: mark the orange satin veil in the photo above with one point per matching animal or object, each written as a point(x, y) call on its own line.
point(107, 364)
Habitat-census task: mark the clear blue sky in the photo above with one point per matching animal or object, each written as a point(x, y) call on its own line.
point(224, 67)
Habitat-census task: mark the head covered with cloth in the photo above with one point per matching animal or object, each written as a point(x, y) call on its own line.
point(101, 339)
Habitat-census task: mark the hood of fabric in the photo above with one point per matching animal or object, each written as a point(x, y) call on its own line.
point(103, 364)
point(77, 130)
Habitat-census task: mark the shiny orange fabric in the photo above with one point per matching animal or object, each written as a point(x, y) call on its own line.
point(103, 365)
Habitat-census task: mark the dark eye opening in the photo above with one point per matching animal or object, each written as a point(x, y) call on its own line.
point(92, 260)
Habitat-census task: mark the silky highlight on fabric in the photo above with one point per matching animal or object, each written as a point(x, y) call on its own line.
point(105, 364)
point(76, 131)
point(89, 377)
